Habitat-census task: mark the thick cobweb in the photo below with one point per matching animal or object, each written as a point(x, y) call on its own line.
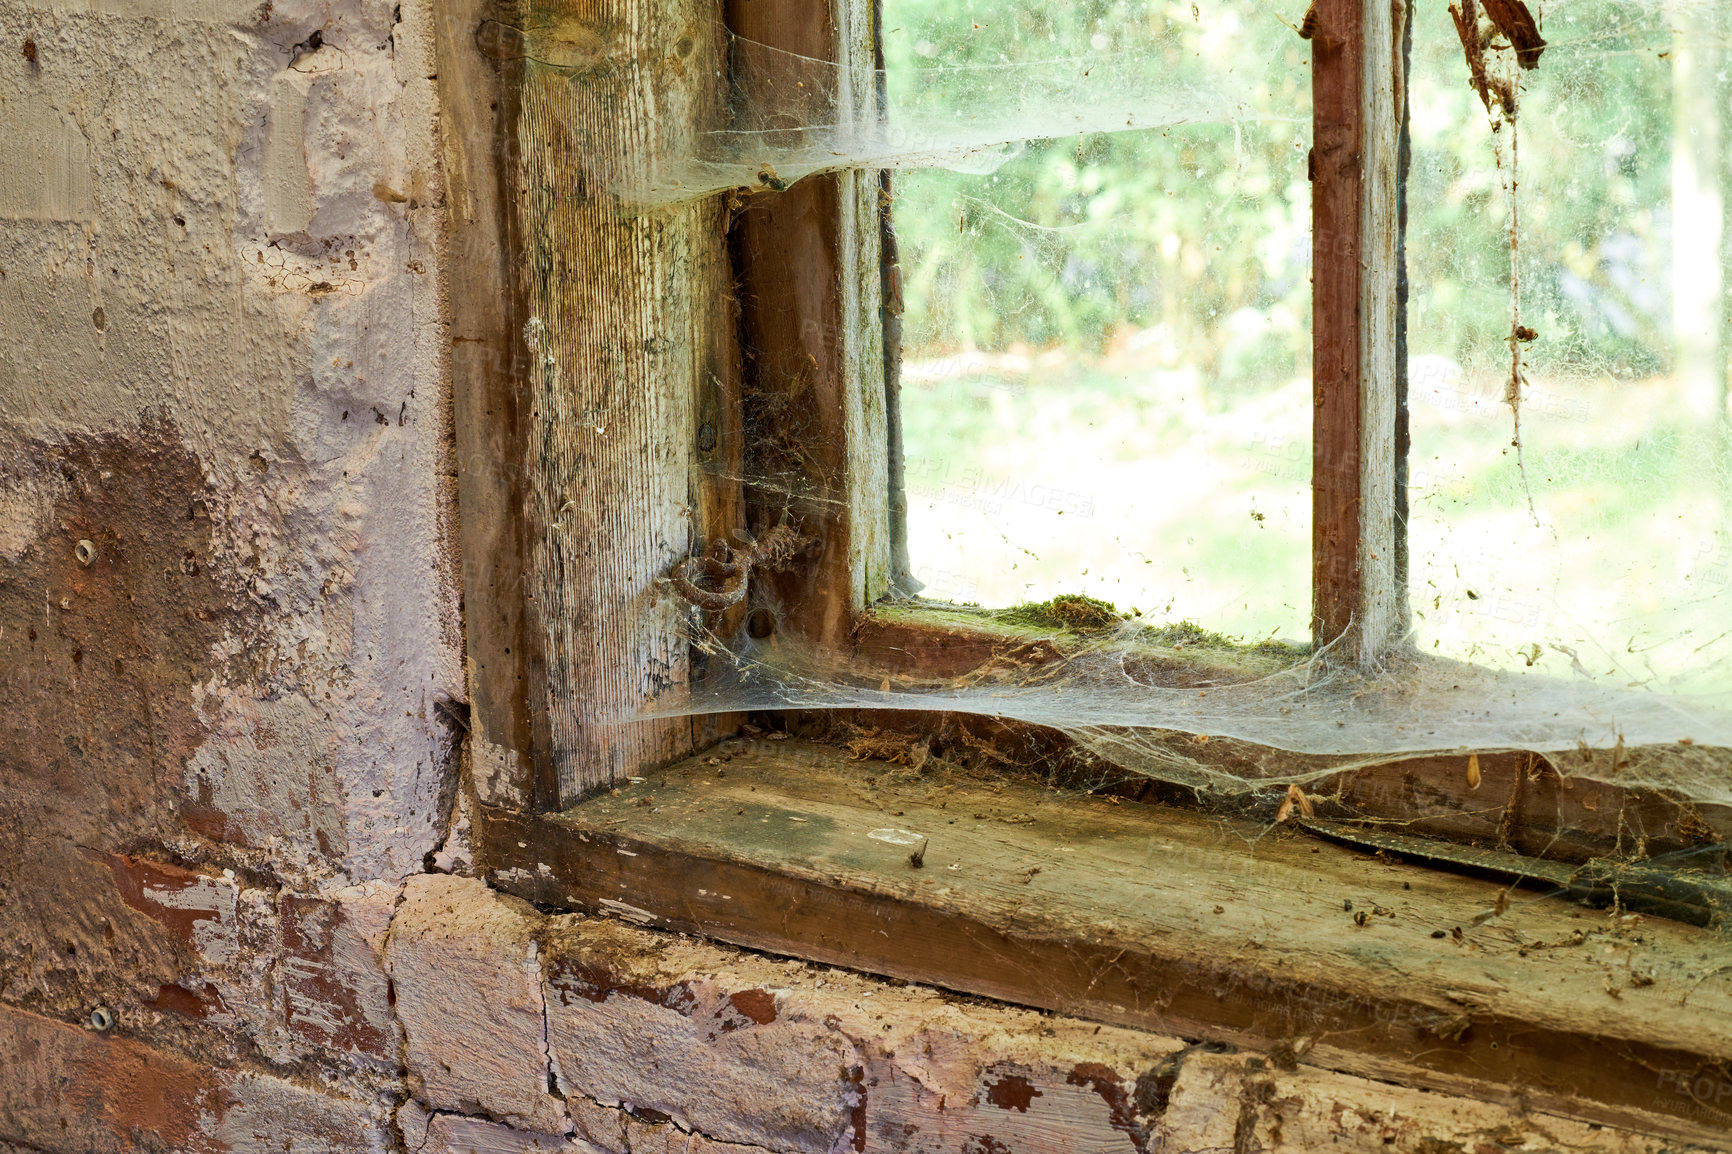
point(1103, 219)
point(792, 116)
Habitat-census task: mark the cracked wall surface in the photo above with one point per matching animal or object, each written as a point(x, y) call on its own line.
point(655, 1042)
point(231, 696)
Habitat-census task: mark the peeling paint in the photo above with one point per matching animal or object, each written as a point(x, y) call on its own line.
point(69, 1088)
point(1012, 1092)
point(757, 1005)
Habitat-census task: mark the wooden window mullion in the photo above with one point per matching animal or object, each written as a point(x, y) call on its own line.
point(1357, 87)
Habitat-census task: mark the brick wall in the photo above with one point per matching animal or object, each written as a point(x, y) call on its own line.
point(513, 1030)
point(528, 1030)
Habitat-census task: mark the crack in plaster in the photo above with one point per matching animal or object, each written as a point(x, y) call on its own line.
point(559, 1088)
point(406, 1092)
point(555, 1081)
point(692, 1133)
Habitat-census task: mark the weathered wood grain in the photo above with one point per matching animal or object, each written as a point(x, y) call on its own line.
point(1155, 918)
point(626, 334)
point(925, 639)
point(1557, 805)
point(1525, 803)
point(488, 306)
point(1356, 91)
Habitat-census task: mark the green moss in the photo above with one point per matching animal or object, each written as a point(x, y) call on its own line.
point(1083, 616)
point(1074, 612)
point(1186, 634)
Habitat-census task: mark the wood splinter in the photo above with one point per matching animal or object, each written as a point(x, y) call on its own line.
point(1518, 27)
point(1295, 797)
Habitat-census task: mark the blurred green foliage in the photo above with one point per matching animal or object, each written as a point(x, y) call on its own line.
point(1202, 228)
point(1140, 302)
point(1202, 231)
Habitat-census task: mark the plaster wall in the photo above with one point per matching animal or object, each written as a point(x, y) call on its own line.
point(230, 655)
point(220, 323)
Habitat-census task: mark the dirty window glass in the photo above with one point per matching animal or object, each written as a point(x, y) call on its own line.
point(1106, 342)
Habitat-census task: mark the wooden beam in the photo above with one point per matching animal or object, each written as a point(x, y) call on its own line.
point(628, 325)
point(488, 305)
point(597, 376)
point(1356, 88)
point(807, 269)
point(1150, 917)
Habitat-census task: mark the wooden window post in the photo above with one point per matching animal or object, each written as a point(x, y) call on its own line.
point(593, 335)
point(806, 259)
point(1357, 85)
point(599, 360)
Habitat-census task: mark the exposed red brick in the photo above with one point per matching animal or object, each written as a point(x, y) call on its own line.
point(1012, 1092)
point(1105, 1081)
point(97, 722)
point(758, 1005)
point(323, 1004)
point(857, 1115)
point(65, 1087)
point(142, 884)
point(180, 1000)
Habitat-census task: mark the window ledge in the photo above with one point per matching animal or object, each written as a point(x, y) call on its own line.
point(1157, 918)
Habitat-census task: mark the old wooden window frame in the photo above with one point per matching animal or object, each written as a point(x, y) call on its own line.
point(575, 502)
point(599, 379)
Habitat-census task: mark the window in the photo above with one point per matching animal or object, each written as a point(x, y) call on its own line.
point(1032, 331)
point(1611, 506)
point(680, 408)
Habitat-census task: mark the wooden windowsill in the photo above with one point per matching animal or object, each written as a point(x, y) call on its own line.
point(1207, 927)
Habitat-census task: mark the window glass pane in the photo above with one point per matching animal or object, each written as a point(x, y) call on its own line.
point(1611, 557)
point(1106, 337)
